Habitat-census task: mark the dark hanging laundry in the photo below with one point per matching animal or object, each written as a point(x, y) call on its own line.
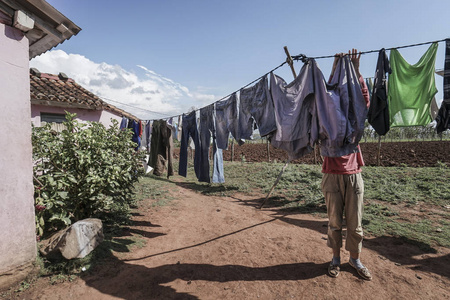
point(294, 112)
point(443, 117)
point(369, 86)
point(341, 110)
point(256, 110)
point(123, 123)
point(207, 131)
point(309, 110)
point(161, 148)
point(135, 128)
point(378, 115)
point(189, 125)
point(227, 121)
point(147, 133)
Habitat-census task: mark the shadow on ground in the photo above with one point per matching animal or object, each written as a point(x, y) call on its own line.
point(129, 281)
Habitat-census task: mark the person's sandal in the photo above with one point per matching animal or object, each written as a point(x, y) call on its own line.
point(363, 272)
point(333, 270)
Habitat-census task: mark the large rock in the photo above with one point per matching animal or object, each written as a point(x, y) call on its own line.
point(77, 241)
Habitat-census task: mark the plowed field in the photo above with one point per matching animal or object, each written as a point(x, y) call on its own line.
point(413, 154)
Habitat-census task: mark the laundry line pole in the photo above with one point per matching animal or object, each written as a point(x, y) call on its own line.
point(290, 62)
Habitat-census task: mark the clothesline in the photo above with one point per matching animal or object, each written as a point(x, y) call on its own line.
point(154, 112)
point(282, 64)
point(300, 57)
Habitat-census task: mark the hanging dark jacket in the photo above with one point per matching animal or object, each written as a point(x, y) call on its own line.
point(378, 115)
point(161, 148)
point(443, 117)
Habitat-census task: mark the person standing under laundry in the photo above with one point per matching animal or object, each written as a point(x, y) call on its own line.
point(343, 188)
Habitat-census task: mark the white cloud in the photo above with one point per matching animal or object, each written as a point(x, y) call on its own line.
point(149, 91)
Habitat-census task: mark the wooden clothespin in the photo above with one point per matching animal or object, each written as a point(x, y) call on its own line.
point(290, 61)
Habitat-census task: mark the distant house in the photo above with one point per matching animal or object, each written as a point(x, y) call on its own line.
point(52, 95)
point(27, 28)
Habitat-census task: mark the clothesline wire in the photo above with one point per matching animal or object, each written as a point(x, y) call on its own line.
point(282, 64)
point(302, 56)
point(296, 57)
point(155, 112)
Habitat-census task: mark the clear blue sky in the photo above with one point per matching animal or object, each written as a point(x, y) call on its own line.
point(219, 46)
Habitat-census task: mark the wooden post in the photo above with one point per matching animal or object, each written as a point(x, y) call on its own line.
point(290, 61)
point(232, 149)
point(379, 151)
point(315, 154)
point(276, 182)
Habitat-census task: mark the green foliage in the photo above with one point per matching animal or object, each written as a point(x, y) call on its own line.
point(84, 171)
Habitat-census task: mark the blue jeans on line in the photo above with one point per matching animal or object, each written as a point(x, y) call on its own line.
point(256, 106)
point(189, 130)
point(227, 121)
point(206, 128)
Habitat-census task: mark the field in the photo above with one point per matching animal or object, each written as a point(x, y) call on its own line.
point(413, 154)
point(191, 240)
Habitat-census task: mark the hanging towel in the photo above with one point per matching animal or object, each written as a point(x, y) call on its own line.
point(443, 117)
point(378, 115)
point(411, 89)
point(256, 107)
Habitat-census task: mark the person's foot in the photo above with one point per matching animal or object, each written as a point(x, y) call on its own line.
point(360, 268)
point(334, 270)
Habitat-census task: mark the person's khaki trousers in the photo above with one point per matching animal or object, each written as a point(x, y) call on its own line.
point(344, 195)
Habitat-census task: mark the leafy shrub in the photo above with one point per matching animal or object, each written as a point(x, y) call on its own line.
point(84, 171)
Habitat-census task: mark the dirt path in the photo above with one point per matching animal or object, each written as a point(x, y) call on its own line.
point(204, 247)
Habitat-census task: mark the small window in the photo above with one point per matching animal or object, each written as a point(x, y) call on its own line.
point(53, 118)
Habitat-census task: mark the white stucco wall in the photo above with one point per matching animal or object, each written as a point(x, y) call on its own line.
point(17, 227)
point(103, 117)
point(106, 117)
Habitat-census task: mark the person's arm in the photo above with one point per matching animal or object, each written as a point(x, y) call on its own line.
point(355, 57)
point(365, 91)
point(337, 56)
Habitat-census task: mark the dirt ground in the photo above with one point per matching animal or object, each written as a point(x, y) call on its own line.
point(413, 154)
point(205, 247)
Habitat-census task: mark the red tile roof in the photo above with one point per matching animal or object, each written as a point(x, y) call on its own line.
point(61, 91)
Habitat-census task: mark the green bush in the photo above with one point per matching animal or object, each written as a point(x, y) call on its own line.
point(84, 171)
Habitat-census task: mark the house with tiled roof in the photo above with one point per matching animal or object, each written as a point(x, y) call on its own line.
point(28, 28)
point(52, 95)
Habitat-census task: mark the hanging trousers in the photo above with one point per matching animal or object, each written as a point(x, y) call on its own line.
point(189, 130)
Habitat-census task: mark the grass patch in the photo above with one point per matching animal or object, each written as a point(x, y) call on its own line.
point(154, 188)
point(391, 196)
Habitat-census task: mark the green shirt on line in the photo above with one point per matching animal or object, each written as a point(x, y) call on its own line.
point(411, 89)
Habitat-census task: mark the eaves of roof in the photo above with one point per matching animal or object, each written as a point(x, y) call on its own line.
point(51, 27)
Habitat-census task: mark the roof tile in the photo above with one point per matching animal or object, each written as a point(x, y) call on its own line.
point(51, 88)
